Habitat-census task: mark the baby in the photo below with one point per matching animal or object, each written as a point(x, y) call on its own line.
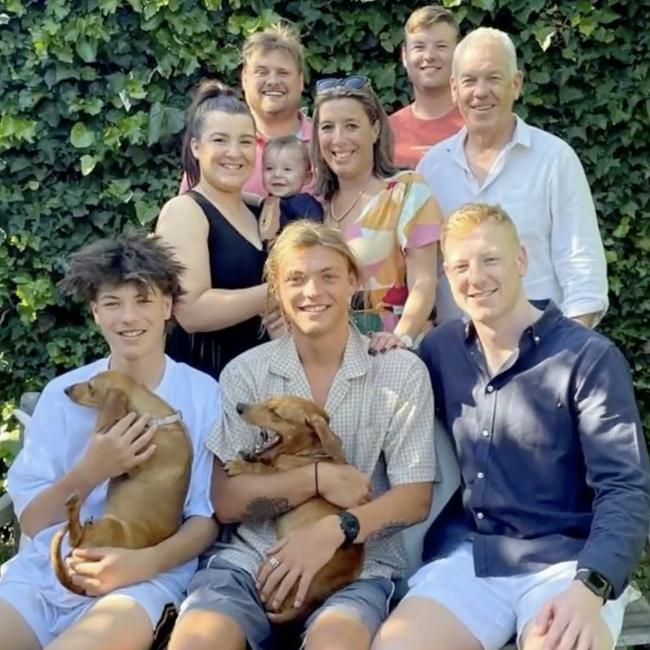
point(286, 169)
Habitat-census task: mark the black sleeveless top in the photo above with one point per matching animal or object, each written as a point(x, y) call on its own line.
point(234, 264)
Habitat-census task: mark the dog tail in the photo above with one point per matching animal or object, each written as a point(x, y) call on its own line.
point(59, 565)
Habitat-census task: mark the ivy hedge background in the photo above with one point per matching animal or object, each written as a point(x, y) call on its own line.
point(92, 95)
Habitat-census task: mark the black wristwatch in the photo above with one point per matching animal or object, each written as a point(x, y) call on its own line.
point(595, 582)
point(350, 527)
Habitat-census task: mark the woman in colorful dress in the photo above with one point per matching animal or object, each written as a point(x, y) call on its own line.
point(388, 217)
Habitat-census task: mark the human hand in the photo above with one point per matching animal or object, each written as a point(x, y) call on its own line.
point(270, 218)
point(296, 559)
point(101, 570)
point(343, 485)
point(383, 341)
point(275, 323)
point(125, 445)
point(570, 620)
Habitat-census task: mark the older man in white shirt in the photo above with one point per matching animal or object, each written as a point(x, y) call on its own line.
point(535, 176)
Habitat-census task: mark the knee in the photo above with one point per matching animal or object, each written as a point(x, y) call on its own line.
point(335, 632)
point(204, 630)
point(390, 636)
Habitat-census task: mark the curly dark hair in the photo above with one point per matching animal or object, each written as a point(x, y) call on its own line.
point(131, 257)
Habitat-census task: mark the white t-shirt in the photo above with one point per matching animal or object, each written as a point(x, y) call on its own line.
point(55, 441)
point(538, 180)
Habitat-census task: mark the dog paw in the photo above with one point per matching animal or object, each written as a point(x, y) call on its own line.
point(73, 498)
point(236, 467)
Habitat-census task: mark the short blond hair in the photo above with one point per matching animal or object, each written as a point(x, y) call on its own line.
point(280, 36)
point(471, 215)
point(301, 235)
point(425, 17)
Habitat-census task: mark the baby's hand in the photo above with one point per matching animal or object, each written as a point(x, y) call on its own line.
point(270, 219)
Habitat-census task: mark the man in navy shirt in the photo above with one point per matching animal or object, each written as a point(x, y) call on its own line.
point(554, 505)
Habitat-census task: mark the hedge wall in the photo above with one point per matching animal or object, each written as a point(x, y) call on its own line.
point(92, 94)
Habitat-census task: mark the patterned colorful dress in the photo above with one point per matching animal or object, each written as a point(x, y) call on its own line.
point(404, 215)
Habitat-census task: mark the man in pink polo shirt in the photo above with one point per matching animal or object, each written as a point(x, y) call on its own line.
point(272, 80)
point(431, 34)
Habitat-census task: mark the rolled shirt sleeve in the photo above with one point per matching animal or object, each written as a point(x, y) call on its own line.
point(576, 247)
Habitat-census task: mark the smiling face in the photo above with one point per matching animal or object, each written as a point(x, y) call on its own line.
point(427, 55)
point(346, 137)
point(285, 170)
point(225, 150)
point(485, 87)
point(272, 83)
point(132, 321)
point(485, 267)
point(315, 286)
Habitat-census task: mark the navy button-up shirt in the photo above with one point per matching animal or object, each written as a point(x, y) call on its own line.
point(553, 461)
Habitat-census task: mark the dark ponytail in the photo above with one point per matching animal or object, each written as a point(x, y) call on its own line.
point(210, 96)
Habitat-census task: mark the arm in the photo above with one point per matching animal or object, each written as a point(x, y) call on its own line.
point(410, 460)
point(101, 570)
point(123, 447)
point(577, 250)
point(421, 277)
point(588, 320)
point(616, 460)
point(183, 225)
point(254, 497)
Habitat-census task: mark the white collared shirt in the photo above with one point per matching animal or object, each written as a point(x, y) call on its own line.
point(538, 180)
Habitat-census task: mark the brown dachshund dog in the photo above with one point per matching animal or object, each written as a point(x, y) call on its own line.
point(143, 507)
point(295, 432)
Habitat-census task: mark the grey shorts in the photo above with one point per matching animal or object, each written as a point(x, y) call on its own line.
point(225, 588)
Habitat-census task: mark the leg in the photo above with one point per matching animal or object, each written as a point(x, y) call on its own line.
point(349, 619)
point(201, 629)
point(222, 611)
point(449, 608)
point(411, 625)
point(114, 621)
point(336, 630)
point(16, 632)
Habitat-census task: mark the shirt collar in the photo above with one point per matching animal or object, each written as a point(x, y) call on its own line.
point(520, 136)
point(538, 331)
point(356, 360)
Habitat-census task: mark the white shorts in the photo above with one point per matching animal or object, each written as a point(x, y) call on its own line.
point(494, 609)
point(48, 621)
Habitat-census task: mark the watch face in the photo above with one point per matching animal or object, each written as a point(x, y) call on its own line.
point(598, 581)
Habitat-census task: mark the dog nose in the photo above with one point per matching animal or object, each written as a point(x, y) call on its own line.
point(67, 390)
point(241, 407)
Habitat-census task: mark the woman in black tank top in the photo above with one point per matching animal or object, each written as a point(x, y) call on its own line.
point(216, 236)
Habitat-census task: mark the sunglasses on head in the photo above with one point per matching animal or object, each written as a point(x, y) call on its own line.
point(355, 82)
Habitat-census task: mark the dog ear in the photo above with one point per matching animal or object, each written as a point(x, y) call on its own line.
point(330, 441)
point(114, 408)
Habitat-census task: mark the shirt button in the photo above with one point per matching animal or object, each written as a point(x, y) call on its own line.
point(490, 388)
point(485, 433)
point(480, 475)
point(479, 515)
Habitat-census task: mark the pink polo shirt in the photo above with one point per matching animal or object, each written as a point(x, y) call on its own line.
point(254, 183)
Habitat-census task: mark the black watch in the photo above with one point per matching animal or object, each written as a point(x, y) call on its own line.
point(595, 582)
point(350, 527)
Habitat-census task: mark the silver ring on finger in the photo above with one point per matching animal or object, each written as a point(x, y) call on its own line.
point(274, 562)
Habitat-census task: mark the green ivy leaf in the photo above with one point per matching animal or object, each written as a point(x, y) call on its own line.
point(87, 164)
point(81, 137)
